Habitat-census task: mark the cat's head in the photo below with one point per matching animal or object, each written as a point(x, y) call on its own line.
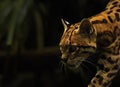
point(78, 42)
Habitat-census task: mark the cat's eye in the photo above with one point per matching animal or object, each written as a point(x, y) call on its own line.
point(72, 49)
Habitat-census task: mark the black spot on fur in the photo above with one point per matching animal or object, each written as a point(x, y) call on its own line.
point(106, 69)
point(109, 12)
point(97, 76)
point(110, 60)
point(110, 19)
point(100, 80)
point(117, 16)
point(94, 81)
point(115, 3)
point(99, 21)
point(115, 67)
point(113, 6)
point(116, 27)
point(111, 74)
point(118, 10)
point(116, 31)
point(104, 21)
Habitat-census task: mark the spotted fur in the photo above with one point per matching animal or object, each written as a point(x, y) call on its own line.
point(99, 34)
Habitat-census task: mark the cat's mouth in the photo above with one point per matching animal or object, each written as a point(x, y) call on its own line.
point(77, 62)
point(82, 58)
point(74, 65)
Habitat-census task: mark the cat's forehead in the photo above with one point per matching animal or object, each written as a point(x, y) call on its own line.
point(72, 29)
point(69, 34)
point(75, 25)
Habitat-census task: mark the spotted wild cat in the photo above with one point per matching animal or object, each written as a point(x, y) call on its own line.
point(99, 34)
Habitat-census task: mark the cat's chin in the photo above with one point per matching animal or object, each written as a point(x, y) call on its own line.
point(74, 66)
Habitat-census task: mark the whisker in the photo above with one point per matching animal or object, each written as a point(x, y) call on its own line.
point(60, 65)
point(89, 62)
point(86, 67)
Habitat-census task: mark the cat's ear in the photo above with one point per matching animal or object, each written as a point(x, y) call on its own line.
point(65, 24)
point(86, 27)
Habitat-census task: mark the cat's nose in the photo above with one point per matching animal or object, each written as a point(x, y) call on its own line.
point(64, 58)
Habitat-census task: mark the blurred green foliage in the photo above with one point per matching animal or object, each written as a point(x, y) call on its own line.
point(17, 17)
point(30, 22)
point(11, 18)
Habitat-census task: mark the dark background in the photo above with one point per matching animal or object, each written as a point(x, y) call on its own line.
point(34, 65)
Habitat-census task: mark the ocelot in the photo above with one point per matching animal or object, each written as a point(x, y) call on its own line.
point(98, 34)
